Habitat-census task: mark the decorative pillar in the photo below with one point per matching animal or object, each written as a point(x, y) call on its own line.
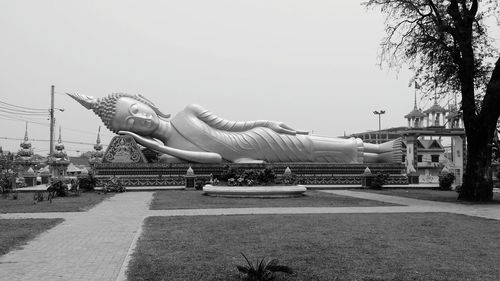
point(411, 154)
point(459, 158)
point(190, 178)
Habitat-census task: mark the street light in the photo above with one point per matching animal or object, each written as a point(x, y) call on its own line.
point(380, 112)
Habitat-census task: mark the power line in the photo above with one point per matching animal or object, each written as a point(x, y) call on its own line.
point(23, 107)
point(18, 119)
point(24, 110)
point(42, 140)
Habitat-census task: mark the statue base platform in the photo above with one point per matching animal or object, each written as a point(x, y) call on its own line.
point(162, 174)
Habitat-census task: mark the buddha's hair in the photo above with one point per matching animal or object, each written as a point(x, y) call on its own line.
point(105, 107)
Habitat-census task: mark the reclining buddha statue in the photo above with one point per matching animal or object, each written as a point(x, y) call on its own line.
point(197, 135)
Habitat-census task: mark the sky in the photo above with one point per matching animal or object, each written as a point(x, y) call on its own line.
point(310, 64)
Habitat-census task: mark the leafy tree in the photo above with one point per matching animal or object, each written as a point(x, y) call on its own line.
point(446, 44)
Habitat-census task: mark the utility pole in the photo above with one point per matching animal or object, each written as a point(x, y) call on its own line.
point(51, 111)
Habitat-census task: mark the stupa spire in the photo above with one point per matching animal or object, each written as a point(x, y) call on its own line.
point(26, 133)
point(25, 145)
point(59, 140)
point(97, 154)
point(415, 96)
point(60, 153)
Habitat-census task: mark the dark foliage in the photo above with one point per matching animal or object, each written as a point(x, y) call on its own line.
point(446, 180)
point(262, 270)
point(379, 180)
point(87, 183)
point(232, 176)
point(114, 184)
point(58, 188)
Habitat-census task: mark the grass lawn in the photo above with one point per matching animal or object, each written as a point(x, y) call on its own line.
point(191, 199)
point(428, 194)
point(15, 233)
point(25, 203)
point(378, 247)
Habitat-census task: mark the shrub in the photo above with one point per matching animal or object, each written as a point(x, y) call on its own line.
point(267, 176)
point(228, 172)
point(379, 180)
point(289, 179)
point(58, 188)
point(249, 177)
point(88, 183)
point(198, 185)
point(262, 270)
point(445, 181)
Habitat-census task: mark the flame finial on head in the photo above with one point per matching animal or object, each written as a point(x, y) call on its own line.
point(105, 107)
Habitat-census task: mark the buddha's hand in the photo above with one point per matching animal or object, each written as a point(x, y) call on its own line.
point(281, 128)
point(147, 142)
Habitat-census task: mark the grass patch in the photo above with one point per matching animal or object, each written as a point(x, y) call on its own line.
point(182, 199)
point(15, 233)
point(378, 247)
point(428, 194)
point(26, 204)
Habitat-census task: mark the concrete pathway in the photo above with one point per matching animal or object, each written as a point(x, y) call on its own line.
point(86, 246)
point(97, 244)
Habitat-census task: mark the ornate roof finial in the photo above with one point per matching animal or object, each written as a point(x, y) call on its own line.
point(98, 145)
point(415, 96)
point(26, 133)
point(59, 140)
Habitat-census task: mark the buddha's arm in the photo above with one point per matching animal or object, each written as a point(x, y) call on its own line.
point(193, 156)
point(216, 122)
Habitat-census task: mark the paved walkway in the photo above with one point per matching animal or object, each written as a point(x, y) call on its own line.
point(97, 244)
point(86, 246)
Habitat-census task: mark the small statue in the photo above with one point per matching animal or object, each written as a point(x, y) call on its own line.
point(197, 135)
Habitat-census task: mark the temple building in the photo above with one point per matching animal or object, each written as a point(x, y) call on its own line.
point(97, 154)
point(25, 159)
point(432, 140)
point(59, 160)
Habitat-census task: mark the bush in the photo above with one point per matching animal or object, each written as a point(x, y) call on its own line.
point(267, 176)
point(262, 270)
point(198, 185)
point(445, 181)
point(289, 179)
point(379, 180)
point(88, 183)
point(58, 188)
point(234, 177)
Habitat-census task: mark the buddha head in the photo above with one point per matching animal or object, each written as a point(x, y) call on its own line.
point(125, 112)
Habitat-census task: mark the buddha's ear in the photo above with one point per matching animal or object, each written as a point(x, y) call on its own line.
point(153, 106)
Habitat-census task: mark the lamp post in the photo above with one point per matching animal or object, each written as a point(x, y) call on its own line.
point(379, 112)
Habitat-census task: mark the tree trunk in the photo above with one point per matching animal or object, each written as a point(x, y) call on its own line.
point(477, 185)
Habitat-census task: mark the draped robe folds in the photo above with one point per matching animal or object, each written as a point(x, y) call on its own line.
point(247, 141)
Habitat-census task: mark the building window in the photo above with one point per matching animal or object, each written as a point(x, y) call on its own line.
point(435, 158)
point(419, 158)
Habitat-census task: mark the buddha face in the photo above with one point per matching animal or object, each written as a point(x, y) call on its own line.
point(135, 116)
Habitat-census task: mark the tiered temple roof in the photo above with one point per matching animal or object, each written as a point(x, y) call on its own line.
point(26, 152)
point(60, 153)
point(97, 154)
